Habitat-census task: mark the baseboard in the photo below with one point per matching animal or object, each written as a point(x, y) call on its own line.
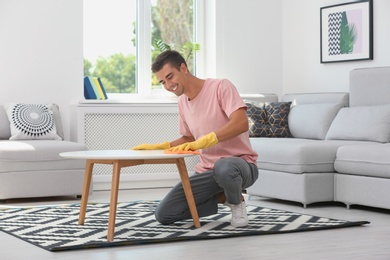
point(137, 181)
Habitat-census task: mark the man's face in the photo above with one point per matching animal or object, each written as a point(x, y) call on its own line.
point(172, 79)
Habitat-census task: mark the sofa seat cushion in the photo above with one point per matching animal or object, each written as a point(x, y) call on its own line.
point(297, 155)
point(33, 155)
point(366, 160)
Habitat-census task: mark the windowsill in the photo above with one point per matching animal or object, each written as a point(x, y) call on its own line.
point(132, 99)
point(122, 99)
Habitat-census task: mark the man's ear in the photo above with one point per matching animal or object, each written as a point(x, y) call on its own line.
point(183, 68)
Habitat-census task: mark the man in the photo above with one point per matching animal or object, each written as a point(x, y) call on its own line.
point(212, 120)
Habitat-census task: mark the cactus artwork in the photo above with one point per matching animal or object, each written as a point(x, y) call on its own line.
point(348, 35)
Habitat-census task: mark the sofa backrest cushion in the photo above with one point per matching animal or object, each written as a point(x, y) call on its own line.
point(261, 97)
point(312, 113)
point(5, 132)
point(369, 86)
point(319, 97)
point(363, 123)
point(312, 121)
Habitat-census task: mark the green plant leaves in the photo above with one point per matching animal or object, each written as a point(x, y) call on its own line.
point(348, 35)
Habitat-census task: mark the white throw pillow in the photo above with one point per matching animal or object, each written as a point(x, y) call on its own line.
point(31, 121)
point(312, 121)
point(57, 119)
point(362, 123)
point(5, 132)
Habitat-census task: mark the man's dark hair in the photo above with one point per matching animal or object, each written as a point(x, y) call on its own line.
point(170, 56)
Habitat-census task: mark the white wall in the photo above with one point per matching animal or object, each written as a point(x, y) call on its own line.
point(274, 46)
point(248, 44)
point(302, 70)
point(41, 58)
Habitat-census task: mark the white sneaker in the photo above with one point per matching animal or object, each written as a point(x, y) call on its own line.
point(239, 215)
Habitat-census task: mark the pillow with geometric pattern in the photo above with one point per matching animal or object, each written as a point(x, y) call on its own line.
point(257, 119)
point(31, 121)
point(277, 118)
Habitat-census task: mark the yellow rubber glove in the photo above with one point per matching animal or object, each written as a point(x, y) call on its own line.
point(162, 146)
point(202, 143)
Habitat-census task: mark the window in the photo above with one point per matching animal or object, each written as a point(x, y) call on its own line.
point(122, 37)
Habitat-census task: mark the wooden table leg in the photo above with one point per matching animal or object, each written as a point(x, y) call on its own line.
point(181, 166)
point(85, 192)
point(113, 200)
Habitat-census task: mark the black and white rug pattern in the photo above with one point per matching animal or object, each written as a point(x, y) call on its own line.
point(55, 228)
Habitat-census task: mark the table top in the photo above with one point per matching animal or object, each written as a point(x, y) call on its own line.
point(122, 154)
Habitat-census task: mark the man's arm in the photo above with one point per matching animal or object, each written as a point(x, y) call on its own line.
point(165, 145)
point(238, 124)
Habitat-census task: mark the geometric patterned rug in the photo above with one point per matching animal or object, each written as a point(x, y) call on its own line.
point(55, 228)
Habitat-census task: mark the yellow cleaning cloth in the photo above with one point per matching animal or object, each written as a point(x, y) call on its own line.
point(167, 151)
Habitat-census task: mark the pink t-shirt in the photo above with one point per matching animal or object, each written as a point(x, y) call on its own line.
point(209, 111)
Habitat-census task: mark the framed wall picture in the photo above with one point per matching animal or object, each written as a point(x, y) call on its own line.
point(347, 32)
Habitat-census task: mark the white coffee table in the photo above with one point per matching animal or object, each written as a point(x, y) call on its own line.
point(126, 158)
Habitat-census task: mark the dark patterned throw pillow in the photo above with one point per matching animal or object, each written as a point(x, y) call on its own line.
point(277, 118)
point(257, 119)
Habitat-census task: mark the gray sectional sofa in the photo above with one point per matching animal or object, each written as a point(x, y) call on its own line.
point(339, 150)
point(31, 166)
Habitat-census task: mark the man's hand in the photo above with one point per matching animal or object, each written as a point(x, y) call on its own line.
point(162, 146)
point(202, 143)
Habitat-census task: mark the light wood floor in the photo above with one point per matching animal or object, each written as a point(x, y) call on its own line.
point(367, 242)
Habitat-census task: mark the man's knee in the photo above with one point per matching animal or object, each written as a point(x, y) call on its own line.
point(226, 168)
point(161, 217)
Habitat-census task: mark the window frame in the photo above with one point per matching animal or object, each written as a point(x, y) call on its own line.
point(143, 53)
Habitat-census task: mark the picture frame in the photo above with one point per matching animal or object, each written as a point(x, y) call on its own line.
point(347, 32)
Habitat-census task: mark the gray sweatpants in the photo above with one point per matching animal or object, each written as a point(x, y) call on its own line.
point(229, 175)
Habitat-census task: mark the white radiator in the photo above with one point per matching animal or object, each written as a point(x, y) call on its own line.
point(124, 126)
